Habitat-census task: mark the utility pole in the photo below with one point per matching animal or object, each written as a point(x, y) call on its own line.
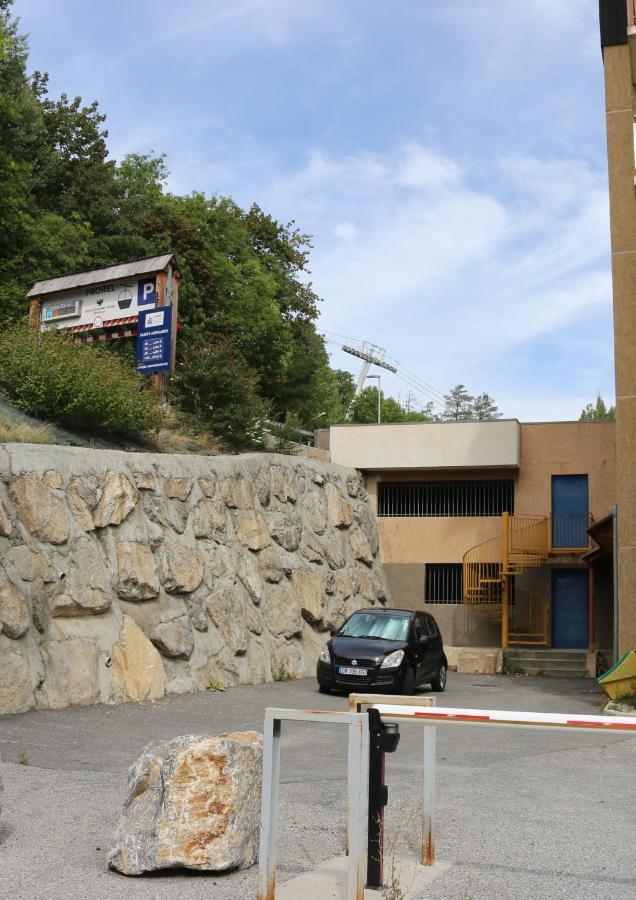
point(370, 355)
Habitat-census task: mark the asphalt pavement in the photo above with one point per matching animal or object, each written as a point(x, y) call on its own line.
point(521, 814)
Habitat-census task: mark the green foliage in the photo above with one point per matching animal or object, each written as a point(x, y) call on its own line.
point(47, 375)
point(460, 406)
point(287, 435)
point(248, 349)
point(365, 409)
point(248, 345)
point(484, 407)
point(597, 412)
point(346, 386)
point(213, 384)
point(281, 674)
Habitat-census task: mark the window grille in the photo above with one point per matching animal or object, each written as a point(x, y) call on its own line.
point(445, 498)
point(443, 583)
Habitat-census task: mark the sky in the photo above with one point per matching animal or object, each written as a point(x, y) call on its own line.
point(447, 156)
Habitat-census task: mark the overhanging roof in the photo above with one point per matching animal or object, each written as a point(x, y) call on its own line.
point(106, 273)
point(601, 531)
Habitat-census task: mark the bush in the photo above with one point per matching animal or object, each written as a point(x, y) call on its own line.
point(214, 384)
point(81, 386)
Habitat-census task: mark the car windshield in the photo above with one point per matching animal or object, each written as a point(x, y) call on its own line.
point(369, 625)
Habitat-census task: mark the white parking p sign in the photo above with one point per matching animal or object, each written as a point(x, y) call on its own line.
point(146, 292)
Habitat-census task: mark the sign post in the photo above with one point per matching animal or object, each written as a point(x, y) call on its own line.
point(115, 302)
point(154, 340)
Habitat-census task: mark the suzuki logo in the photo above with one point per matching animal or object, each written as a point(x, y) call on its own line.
point(354, 662)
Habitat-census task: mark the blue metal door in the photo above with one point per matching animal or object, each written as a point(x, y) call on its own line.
point(569, 511)
point(570, 608)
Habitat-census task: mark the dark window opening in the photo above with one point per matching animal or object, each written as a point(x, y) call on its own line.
point(443, 583)
point(446, 498)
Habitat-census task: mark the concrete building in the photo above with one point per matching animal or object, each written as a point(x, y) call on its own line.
point(618, 41)
point(486, 525)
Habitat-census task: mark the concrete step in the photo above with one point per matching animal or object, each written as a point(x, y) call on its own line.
point(551, 664)
point(554, 662)
point(548, 654)
point(550, 673)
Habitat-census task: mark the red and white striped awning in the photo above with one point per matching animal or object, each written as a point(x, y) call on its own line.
point(110, 323)
point(107, 336)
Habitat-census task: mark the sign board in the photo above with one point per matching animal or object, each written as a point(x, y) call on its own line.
point(154, 339)
point(98, 304)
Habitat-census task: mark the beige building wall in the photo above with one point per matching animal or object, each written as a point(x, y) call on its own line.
point(417, 445)
point(620, 102)
point(566, 448)
point(546, 449)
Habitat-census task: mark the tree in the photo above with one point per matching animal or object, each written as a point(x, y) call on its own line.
point(597, 412)
point(35, 241)
point(346, 387)
point(458, 404)
point(365, 409)
point(246, 299)
point(425, 414)
point(484, 407)
point(213, 384)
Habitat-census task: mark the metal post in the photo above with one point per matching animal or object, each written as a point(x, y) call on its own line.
point(358, 782)
point(505, 579)
point(615, 581)
point(378, 796)
point(428, 797)
point(269, 809)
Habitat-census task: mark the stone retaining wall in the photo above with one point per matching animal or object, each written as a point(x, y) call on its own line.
point(124, 575)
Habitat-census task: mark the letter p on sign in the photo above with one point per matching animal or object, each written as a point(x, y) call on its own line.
point(146, 292)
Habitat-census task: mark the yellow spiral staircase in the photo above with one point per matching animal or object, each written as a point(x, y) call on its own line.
point(524, 543)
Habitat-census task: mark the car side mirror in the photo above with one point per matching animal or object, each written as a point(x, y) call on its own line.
point(331, 632)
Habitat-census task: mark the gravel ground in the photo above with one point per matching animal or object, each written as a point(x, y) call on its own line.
point(521, 814)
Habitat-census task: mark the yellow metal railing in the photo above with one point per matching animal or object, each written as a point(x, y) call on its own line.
point(529, 619)
point(524, 542)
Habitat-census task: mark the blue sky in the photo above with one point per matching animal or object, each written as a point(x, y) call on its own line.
point(448, 156)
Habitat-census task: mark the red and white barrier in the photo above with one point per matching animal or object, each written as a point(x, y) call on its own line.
point(439, 714)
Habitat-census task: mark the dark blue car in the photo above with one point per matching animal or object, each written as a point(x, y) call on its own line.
point(386, 650)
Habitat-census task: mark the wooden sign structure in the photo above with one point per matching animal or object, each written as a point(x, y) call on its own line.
point(104, 304)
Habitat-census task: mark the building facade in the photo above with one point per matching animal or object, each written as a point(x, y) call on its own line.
point(487, 525)
point(618, 42)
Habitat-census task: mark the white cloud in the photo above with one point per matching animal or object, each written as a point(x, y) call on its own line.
point(457, 282)
point(346, 230)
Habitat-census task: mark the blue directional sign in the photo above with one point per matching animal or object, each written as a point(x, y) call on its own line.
point(146, 291)
point(154, 339)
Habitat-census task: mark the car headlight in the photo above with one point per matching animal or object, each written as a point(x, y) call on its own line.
point(324, 656)
point(393, 660)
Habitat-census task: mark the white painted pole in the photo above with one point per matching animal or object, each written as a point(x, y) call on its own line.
point(428, 796)
point(269, 808)
point(357, 806)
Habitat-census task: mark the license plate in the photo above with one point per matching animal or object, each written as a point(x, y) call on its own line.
point(348, 670)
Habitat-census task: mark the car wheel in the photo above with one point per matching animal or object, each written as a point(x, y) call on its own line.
point(408, 683)
point(439, 682)
point(323, 689)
